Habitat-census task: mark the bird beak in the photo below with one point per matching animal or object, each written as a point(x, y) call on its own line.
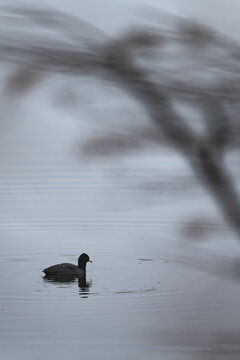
point(90, 260)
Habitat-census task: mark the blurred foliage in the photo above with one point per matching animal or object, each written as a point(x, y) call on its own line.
point(184, 66)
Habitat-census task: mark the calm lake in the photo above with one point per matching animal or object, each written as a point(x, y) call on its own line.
point(151, 291)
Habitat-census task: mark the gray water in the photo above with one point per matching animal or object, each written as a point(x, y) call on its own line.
point(152, 291)
point(164, 282)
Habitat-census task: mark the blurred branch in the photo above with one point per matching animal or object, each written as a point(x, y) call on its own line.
point(218, 124)
point(203, 153)
point(191, 63)
point(21, 81)
point(209, 165)
point(155, 100)
point(70, 26)
point(116, 143)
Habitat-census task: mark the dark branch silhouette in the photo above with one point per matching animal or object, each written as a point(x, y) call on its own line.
point(190, 64)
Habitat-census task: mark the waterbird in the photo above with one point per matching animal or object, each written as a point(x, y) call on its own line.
point(69, 270)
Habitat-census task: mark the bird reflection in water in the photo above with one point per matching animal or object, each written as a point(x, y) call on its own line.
point(83, 284)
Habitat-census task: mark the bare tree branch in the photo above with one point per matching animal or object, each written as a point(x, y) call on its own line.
point(193, 63)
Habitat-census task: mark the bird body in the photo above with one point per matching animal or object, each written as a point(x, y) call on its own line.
point(66, 269)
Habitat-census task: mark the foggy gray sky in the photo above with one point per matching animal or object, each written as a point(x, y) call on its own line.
point(115, 14)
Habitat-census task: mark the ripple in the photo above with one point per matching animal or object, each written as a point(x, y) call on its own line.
point(125, 274)
point(126, 280)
